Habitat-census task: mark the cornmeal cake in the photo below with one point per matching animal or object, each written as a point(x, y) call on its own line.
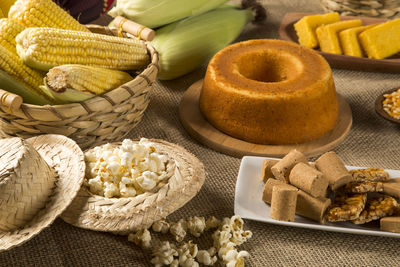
point(349, 40)
point(305, 28)
point(383, 40)
point(328, 35)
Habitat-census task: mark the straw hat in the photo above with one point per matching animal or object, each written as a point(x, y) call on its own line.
point(39, 177)
point(122, 215)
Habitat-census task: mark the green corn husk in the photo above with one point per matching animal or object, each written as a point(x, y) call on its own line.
point(185, 45)
point(29, 96)
point(155, 13)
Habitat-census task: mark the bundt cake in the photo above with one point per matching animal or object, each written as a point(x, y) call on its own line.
point(269, 92)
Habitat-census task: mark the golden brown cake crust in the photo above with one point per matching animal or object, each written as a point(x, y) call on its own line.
point(269, 92)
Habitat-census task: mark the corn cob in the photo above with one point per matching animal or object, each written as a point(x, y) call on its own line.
point(5, 6)
point(45, 48)
point(152, 13)
point(9, 29)
point(75, 83)
point(186, 44)
point(43, 13)
point(28, 78)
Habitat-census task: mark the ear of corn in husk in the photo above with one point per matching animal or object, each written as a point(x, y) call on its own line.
point(5, 6)
point(185, 45)
point(155, 13)
point(29, 78)
point(76, 83)
point(45, 48)
point(43, 13)
point(30, 96)
point(9, 29)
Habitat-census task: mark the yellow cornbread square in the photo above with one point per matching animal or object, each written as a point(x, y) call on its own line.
point(305, 27)
point(382, 41)
point(328, 38)
point(349, 40)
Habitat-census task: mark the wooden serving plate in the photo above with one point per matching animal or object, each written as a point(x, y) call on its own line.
point(201, 130)
point(287, 32)
point(379, 107)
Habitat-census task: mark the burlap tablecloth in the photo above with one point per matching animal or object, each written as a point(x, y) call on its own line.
point(371, 142)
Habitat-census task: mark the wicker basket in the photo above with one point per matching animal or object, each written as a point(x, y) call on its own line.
point(371, 8)
point(101, 119)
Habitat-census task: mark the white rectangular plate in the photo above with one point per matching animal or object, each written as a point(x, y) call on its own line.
point(249, 205)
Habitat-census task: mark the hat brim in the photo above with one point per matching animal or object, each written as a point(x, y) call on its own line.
point(63, 155)
point(122, 215)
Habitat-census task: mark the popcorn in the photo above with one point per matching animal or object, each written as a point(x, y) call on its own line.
point(212, 222)
point(196, 225)
point(178, 229)
point(141, 238)
point(229, 234)
point(161, 226)
point(164, 255)
point(206, 257)
point(125, 171)
point(187, 253)
point(110, 190)
point(235, 259)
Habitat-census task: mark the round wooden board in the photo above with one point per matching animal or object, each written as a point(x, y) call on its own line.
point(199, 128)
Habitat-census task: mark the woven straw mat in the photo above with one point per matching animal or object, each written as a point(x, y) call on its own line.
point(372, 141)
point(105, 118)
point(94, 212)
point(65, 157)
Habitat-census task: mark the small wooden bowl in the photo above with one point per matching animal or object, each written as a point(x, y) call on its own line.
point(379, 107)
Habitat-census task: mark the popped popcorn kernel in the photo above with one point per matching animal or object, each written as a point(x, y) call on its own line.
point(164, 255)
point(196, 225)
point(161, 226)
point(141, 238)
point(178, 229)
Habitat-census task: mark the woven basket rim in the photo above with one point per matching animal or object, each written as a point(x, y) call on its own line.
point(113, 219)
point(59, 148)
point(112, 97)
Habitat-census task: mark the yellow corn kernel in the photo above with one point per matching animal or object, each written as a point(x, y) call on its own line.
point(45, 48)
point(43, 13)
point(383, 40)
point(349, 40)
point(305, 27)
point(9, 29)
point(328, 35)
point(15, 68)
point(391, 104)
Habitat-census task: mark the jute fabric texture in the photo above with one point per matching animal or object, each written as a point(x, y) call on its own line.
point(371, 142)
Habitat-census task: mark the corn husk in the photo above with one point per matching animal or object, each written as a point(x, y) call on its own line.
point(187, 44)
point(155, 13)
point(29, 96)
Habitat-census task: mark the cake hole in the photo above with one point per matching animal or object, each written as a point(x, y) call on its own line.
point(269, 66)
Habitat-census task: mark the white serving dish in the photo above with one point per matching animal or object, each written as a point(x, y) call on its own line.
point(249, 205)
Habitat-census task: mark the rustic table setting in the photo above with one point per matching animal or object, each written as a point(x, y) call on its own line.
point(372, 141)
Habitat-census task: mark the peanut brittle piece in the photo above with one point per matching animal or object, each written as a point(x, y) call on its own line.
point(346, 207)
point(370, 174)
point(377, 208)
point(363, 187)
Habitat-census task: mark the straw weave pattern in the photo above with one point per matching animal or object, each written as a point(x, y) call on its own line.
point(121, 215)
point(101, 119)
point(66, 158)
point(27, 184)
